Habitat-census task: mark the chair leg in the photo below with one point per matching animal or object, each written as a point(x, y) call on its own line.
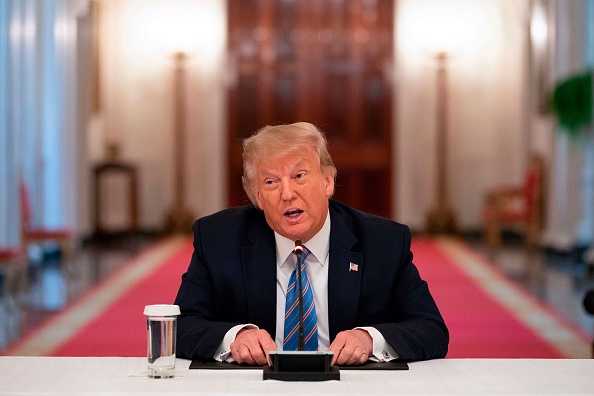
point(493, 235)
point(67, 248)
point(532, 235)
point(13, 300)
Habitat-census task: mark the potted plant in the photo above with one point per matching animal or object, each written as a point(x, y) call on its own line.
point(572, 103)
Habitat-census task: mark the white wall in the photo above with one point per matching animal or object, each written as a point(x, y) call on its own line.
point(487, 129)
point(137, 97)
point(487, 136)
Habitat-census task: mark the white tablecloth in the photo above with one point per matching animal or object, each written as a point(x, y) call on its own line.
point(114, 375)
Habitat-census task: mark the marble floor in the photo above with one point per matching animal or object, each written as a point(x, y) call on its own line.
point(52, 283)
point(559, 280)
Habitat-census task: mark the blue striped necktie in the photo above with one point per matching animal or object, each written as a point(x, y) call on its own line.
point(310, 325)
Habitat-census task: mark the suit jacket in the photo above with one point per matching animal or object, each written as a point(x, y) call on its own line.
point(231, 280)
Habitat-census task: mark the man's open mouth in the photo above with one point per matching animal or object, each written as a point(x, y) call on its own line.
point(292, 213)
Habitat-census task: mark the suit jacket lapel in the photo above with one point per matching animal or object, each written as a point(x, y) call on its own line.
point(344, 284)
point(258, 257)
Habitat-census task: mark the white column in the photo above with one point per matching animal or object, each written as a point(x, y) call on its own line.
point(9, 219)
point(585, 234)
point(38, 106)
point(585, 229)
point(589, 157)
point(566, 226)
point(558, 232)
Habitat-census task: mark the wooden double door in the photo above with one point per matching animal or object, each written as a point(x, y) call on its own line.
point(327, 62)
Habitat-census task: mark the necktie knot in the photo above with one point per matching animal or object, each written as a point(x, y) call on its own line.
point(303, 249)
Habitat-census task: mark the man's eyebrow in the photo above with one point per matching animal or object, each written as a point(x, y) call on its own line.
point(300, 164)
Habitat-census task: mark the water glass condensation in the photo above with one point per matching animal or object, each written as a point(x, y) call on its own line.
point(161, 328)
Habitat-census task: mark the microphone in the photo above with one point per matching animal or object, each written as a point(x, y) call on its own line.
point(301, 337)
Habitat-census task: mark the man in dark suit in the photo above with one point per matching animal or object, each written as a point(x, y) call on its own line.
point(369, 300)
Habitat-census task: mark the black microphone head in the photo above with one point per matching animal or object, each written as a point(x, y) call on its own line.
point(298, 246)
point(589, 302)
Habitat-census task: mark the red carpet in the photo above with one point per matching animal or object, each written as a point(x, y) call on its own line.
point(119, 330)
point(108, 320)
point(480, 325)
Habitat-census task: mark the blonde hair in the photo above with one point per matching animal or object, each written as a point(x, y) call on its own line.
point(279, 140)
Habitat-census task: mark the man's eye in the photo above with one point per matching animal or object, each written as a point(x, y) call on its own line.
point(299, 175)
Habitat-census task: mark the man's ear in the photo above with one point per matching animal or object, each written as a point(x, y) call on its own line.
point(256, 193)
point(329, 182)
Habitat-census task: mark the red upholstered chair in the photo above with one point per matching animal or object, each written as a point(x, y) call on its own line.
point(63, 237)
point(516, 207)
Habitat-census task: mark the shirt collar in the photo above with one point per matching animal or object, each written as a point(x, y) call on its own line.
point(318, 245)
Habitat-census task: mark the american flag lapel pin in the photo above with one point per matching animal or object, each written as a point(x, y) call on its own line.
point(353, 267)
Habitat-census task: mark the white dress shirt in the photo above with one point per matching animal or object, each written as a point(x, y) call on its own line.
point(316, 264)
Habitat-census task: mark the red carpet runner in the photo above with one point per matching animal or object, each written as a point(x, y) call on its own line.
point(108, 320)
point(488, 315)
point(120, 330)
point(464, 285)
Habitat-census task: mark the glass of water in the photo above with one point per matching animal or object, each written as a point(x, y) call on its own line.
point(161, 325)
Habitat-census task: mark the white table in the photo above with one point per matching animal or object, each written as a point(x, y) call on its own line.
point(113, 375)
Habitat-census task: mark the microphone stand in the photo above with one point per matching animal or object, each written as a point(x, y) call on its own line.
point(301, 337)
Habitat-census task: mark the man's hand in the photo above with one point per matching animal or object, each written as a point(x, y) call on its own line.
point(251, 346)
point(351, 347)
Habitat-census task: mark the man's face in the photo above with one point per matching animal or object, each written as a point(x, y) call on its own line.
point(293, 193)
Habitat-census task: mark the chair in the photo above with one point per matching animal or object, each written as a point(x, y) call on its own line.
point(63, 237)
point(13, 287)
point(516, 207)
